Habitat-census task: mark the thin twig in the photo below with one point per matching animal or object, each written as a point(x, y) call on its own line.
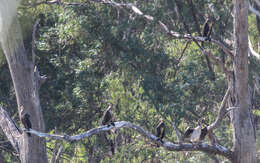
point(57, 158)
point(177, 133)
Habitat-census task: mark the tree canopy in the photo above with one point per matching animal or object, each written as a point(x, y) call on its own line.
point(98, 52)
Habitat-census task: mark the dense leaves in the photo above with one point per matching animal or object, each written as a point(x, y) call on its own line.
point(94, 54)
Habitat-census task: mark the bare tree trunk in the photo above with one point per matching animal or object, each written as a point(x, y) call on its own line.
point(32, 149)
point(243, 135)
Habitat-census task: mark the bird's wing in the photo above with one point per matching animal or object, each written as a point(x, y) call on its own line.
point(28, 123)
point(188, 132)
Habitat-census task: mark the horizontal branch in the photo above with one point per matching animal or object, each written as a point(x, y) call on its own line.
point(216, 149)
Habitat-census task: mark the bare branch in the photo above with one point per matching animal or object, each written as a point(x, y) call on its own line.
point(221, 111)
point(10, 129)
point(224, 48)
point(257, 84)
point(254, 53)
point(54, 152)
point(217, 149)
point(40, 79)
point(13, 134)
point(253, 10)
point(57, 158)
point(177, 133)
point(218, 62)
point(177, 67)
point(257, 2)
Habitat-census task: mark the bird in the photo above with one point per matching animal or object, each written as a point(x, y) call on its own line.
point(107, 117)
point(204, 132)
point(25, 119)
point(206, 30)
point(195, 135)
point(160, 131)
point(188, 133)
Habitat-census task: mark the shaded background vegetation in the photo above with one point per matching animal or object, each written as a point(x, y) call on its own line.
point(95, 54)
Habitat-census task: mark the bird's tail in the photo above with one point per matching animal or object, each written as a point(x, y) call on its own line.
point(29, 134)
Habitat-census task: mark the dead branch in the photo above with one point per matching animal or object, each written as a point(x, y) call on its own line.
point(217, 149)
point(218, 62)
point(57, 158)
point(252, 9)
point(54, 152)
point(221, 112)
point(252, 51)
point(10, 129)
point(13, 135)
point(257, 84)
point(177, 133)
point(257, 2)
point(224, 48)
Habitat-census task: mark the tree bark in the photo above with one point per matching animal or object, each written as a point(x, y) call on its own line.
point(25, 80)
point(243, 136)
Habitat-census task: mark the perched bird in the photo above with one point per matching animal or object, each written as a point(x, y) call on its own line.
point(107, 117)
point(206, 30)
point(160, 131)
point(25, 119)
point(195, 134)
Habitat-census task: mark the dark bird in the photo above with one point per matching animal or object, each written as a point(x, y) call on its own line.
point(206, 30)
point(160, 131)
point(25, 119)
point(203, 134)
point(107, 117)
point(188, 133)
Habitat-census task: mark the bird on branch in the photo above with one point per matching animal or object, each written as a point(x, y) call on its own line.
point(25, 119)
point(160, 131)
point(206, 30)
point(195, 135)
point(107, 117)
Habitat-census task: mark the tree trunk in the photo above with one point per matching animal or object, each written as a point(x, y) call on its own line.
point(243, 135)
point(32, 149)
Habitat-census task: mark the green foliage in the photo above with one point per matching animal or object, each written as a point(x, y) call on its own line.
point(94, 54)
